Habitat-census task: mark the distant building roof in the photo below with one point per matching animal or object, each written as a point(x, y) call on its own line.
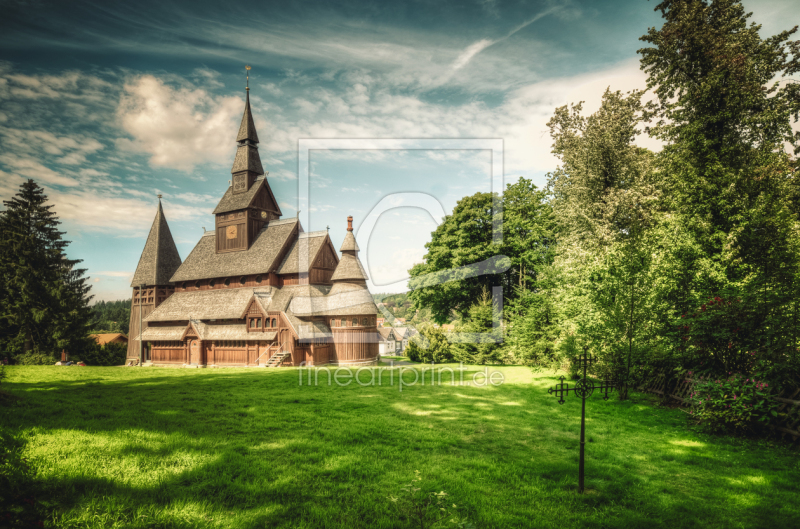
point(109, 337)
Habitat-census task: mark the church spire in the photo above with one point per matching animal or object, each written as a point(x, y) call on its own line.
point(349, 269)
point(247, 164)
point(160, 258)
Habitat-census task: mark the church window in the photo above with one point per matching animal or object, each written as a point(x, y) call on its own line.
point(364, 321)
point(258, 279)
point(355, 322)
point(197, 284)
point(228, 282)
point(252, 323)
point(258, 323)
point(212, 283)
point(241, 281)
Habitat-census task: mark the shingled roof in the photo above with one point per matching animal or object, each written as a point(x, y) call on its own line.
point(206, 331)
point(306, 243)
point(349, 268)
point(247, 159)
point(247, 130)
point(232, 202)
point(204, 262)
point(342, 300)
point(228, 303)
point(159, 259)
point(349, 244)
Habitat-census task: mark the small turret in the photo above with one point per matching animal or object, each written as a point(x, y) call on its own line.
point(349, 269)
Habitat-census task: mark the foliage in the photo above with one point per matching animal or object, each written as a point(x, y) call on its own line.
point(34, 359)
point(736, 404)
point(533, 329)
point(430, 345)
point(446, 283)
point(425, 510)
point(43, 298)
point(112, 316)
point(724, 116)
point(606, 202)
point(110, 354)
point(479, 340)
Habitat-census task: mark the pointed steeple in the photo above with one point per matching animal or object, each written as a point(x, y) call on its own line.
point(247, 164)
point(349, 269)
point(160, 258)
point(247, 130)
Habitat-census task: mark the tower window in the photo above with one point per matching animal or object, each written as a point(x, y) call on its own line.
point(228, 282)
point(258, 279)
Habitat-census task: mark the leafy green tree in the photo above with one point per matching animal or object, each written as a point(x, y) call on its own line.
point(606, 200)
point(466, 238)
point(44, 304)
point(725, 115)
point(479, 341)
point(430, 345)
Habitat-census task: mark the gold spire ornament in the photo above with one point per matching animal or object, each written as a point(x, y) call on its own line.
point(248, 77)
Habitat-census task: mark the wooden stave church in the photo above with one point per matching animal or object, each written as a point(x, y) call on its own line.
point(255, 291)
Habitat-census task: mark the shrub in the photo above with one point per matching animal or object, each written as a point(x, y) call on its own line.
point(737, 404)
point(34, 359)
point(430, 345)
point(110, 354)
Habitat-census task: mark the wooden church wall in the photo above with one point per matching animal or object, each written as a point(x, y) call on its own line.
point(134, 331)
point(354, 345)
point(168, 353)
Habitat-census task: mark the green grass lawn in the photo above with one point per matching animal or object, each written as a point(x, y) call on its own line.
point(155, 447)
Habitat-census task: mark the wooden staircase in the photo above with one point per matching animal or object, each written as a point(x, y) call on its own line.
point(277, 359)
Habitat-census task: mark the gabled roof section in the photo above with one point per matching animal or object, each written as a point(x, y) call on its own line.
point(304, 251)
point(263, 256)
point(247, 130)
point(159, 259)
point(228, 303)
point(232, 202)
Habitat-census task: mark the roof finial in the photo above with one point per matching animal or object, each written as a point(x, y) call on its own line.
point(349, 223)
point(159, 197)
point(247, 87)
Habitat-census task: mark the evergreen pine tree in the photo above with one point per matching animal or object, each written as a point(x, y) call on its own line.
point(43, 298)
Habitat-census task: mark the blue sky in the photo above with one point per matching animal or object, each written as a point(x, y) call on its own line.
point(106, 104)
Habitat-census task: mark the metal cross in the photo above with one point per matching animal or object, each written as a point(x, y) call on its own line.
point(584, 388)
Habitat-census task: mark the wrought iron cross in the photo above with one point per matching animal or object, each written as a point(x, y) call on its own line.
point(584, 388)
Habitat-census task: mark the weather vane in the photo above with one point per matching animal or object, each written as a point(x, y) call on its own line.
point(248, 77)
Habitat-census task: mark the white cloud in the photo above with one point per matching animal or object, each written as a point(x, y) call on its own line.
point(30, 168)
point(178, 127)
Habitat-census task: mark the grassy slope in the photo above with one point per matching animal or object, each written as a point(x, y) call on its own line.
point(125, 447)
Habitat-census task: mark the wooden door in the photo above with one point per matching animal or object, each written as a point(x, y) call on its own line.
point(263, 355)
point(195, 351)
